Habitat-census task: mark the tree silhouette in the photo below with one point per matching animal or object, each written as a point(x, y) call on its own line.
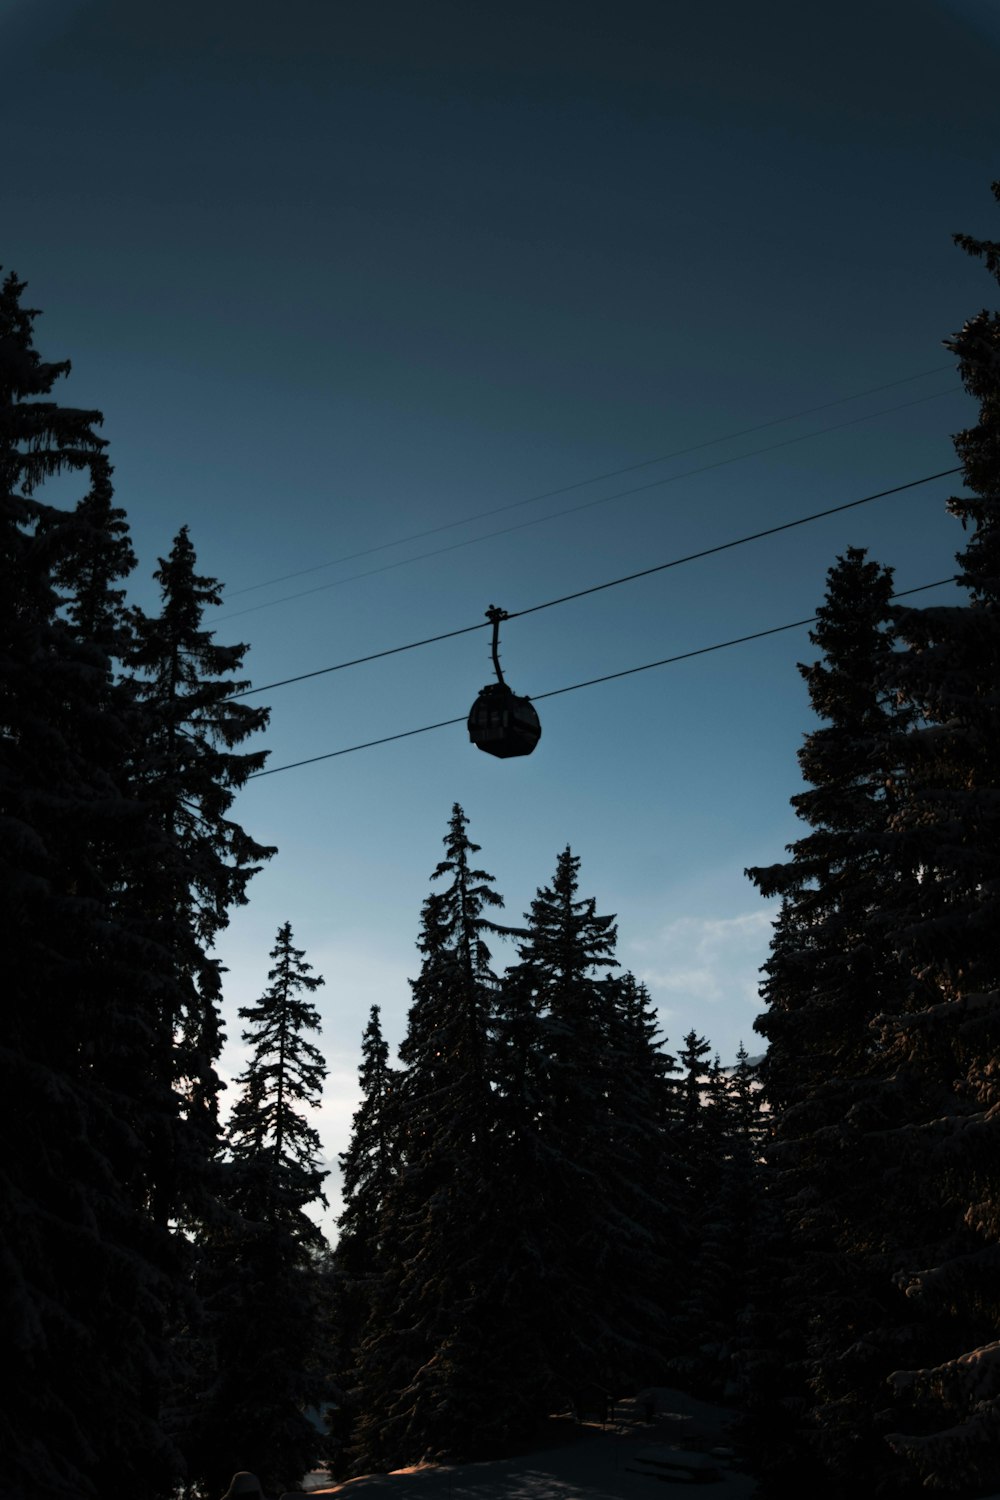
point(82, 1095)
point(197, 861)
point(943, 1093)
point(263, 1350)
point(430, 1386)
point(833, 965)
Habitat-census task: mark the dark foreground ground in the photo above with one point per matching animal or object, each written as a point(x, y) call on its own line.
point(685, 1444)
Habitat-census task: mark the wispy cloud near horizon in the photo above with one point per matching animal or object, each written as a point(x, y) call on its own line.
point(694, 962)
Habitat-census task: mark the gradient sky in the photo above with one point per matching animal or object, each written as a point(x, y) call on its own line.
point(339, 273)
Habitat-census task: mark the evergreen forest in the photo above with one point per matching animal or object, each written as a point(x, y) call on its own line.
point(547, 1205)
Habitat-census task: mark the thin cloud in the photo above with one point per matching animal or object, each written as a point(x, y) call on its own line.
point(705, 960)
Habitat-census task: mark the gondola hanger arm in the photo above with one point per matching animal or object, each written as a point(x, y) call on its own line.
point(495, 614)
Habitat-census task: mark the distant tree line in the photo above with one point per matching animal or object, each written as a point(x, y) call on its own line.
point(527, 1193)
point(543, 1208)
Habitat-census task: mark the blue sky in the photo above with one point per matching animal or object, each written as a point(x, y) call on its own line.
point(338, 273)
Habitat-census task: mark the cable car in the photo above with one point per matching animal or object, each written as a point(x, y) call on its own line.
point(503, 724)
point(500, 722)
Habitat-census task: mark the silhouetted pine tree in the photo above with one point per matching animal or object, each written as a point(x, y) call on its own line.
point(88, 1281)
point(694, 1120)
point(371, 1161)
point(430, 1383)
point(745, 1120)
point(718, 1278)
point(888, 1167)
point(699, 1147)
point(603, 1251)
point(523, 1168)
point(264, 1341)
point(642, 1040)
point(369, 1167)
point(940, 1092)
point(268, 1134)
point(646, 1165)
point(198, 860)
point(833, 966)
point(837, 877)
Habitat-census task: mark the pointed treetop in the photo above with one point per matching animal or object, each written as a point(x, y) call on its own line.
point(977, 346)
point(455, 915)
point(22, 371)
point(566, 934)
point(37, 438)
point(285, 1072)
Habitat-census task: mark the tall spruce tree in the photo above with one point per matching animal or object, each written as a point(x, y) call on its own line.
point(726, 1226)
point(693, 1058)
point(833, 966)
point(268, 1133)
point(176, 887)
point(430, 1383)
point(645, 1152)
point(369, 1167)
point(264, 1342)
point(199, 860)
point(896, 1200)
point(89, 1282)
point(941, 1095)
point(602, 1254)
point(698, 1141)
point(371, 1161)
point(113, 1018)
point(523, 1170)
point(826, 969)
point(884, 977)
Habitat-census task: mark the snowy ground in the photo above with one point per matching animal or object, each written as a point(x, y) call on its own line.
point(686, 1443)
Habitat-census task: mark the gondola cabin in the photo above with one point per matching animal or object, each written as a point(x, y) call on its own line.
point(500, 722)
point(503, 724)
